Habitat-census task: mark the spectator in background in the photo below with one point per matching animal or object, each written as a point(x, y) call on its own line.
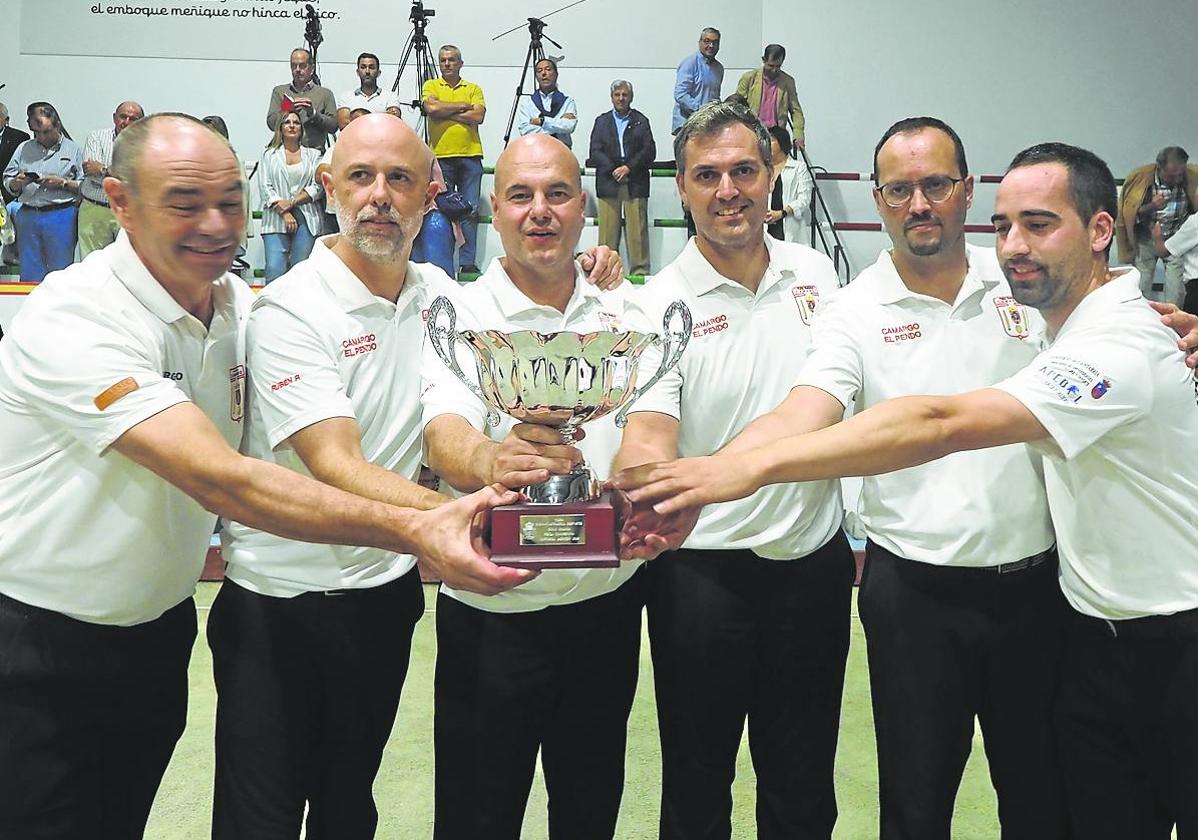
point(315, 105)
point(434, 244)
point(291, 218)
point(44, 174)
point(98, 226)
point(771, 94)
point(217, 124)
point(547, 110)
point(367, 95)
point(1163, 193)
point(455, 109)
point(1182, 246)
point(10, 138)
point(622, 150)
point(698, 79)
point(791, 194)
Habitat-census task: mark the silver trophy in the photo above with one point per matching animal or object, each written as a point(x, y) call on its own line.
point(560, 379)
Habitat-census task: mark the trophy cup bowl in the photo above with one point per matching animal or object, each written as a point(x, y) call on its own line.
point(560, 380)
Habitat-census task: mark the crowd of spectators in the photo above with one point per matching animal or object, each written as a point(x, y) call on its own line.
point(61, 185)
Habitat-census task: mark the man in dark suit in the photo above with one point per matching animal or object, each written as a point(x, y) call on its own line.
point(10, 138)
point(622, 150)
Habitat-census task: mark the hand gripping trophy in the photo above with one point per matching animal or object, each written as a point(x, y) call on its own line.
point(561, 380)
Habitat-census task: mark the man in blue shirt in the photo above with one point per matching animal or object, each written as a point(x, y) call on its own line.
point(699, 78)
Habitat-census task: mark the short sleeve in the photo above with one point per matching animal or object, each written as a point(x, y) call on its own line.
point(293, 374)
point(834, 363)
point(96, 378)
point(1081, 389)
point(1185, 239)
point(476, 96)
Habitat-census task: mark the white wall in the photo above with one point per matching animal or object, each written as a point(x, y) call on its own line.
point(1004, 75)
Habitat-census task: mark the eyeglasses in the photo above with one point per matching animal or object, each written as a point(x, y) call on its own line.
point(935, 189)
point(710, 41)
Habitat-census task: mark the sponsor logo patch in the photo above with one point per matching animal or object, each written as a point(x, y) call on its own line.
point(1071, 379)
point(114, 392)
point(1100, 388)
point(237, 393)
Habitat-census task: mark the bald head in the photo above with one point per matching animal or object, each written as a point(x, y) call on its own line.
point(381, 137)
point(536, 151)
point(125, 114)
point(170, 137)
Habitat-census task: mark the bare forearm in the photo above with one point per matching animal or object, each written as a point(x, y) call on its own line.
point(459, 453)
point(371, 481)
point(274, 499)
point(633, 453)
point(893, 435)
point(441, 110)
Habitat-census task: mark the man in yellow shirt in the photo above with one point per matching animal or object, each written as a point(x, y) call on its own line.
point(455, 108)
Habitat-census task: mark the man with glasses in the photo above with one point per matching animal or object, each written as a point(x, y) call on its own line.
point(698, 79)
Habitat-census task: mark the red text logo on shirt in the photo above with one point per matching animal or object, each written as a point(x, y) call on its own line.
point(284, 382)
point(357, 346)
point(901, 332)
point(715, 324)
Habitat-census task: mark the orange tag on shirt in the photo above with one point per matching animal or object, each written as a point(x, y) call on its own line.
point(110, 395)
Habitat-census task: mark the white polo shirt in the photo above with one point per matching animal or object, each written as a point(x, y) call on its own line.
point(877, 340)
point(744, 354)
point(96, 349)
point(321, 345)
point(1114, 393)
point(1183, 245)
point(376, 103)
point(494, 302)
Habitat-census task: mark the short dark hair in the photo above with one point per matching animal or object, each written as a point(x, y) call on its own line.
point(912, 124)
point(1091, 184)
point(1172, 154)
point(550, 60)
point(783, 137)
point(713, 118)
point(368, 55)
point(304, 50)
point(774, 52)
point(217, 124)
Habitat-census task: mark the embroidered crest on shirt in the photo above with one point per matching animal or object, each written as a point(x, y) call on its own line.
point(1013, 316)
point(1069, 379)
point(807, 299)
point(237, 393)
point(1100, 388)
point(610, 322)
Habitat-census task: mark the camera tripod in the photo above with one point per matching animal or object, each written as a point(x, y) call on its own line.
point(426, 66)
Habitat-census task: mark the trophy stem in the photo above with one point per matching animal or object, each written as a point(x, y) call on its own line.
point(578, 485)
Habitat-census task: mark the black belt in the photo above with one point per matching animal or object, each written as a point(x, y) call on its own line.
point(93, 201)
point(46, 208)
point(1180, 625)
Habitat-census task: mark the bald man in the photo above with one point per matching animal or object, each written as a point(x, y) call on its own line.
point(123, 400)
point(310, 643)
point(98, 226)
point(550, 665)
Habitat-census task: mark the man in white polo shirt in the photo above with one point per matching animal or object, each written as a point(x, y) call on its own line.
point(367, 94)
point(122, 396)
point(750, 618)
point(1110, 404)
point(310, 642)
point(552, 665)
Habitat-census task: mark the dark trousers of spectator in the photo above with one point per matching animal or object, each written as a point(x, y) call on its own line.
point(465, 174)
point(89, 717)
point(1190, 304)
point(736, 636)
point(560, 680)
point(1127, 719)
point(946, 645)
point(307, 690)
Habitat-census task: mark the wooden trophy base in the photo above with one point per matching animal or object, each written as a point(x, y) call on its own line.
point(580, 535)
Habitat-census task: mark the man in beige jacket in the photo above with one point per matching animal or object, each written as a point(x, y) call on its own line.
point(772, 95)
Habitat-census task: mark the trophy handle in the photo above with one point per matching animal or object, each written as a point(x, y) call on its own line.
point(672, 342)
point(442, 307)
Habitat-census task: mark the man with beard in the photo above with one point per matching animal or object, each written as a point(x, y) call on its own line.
point(1109, 404)
point(367, 95)
point(551, 666)
point(749, 619)
point(310, 642)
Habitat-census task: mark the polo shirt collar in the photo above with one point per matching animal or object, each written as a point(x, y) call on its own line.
point(368, 96)
point(892, 289)
point(513, 302)
point(347, 288)
point(1121, 289)
point(311, 84)
point(128, 268)
point(703, 278)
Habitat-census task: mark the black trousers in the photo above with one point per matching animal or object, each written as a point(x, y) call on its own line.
point(1127, 720)
point(560, 680)
point(89, 717)
point(735, 636)
point(1190, 304)
point(307, 691)
point(947, 645)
